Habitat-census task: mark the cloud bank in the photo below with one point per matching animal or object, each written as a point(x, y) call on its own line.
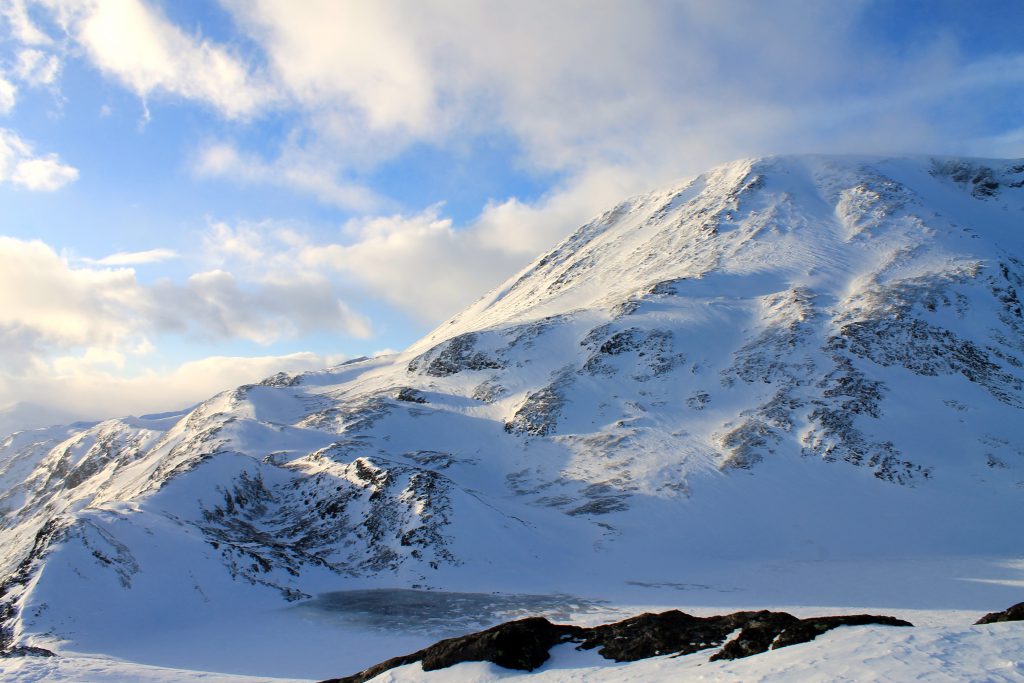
point(316, 97)
point(70, 335)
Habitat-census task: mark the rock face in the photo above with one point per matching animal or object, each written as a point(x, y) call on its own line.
point(26, 651)
point(524, 644)
point(758, 362)
point(1015, 613)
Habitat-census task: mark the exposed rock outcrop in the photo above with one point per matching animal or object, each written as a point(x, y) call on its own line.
point(524, 644)
point(1015, 613)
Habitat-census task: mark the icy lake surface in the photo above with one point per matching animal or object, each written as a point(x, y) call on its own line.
point(442, 612)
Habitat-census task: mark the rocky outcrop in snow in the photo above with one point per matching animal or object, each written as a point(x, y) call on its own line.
point(524, 644)
point(1013, 613)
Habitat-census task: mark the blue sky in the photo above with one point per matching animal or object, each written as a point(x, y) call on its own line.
point(197, 194)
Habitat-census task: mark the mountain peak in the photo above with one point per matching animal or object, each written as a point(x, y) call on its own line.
point(803, 220)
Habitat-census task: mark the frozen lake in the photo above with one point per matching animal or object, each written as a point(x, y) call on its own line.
point(442, 612)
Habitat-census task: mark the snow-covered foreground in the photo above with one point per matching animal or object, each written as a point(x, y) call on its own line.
point(343, 633)
point(947, 650)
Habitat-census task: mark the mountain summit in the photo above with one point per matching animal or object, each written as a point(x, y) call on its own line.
point(799, 358)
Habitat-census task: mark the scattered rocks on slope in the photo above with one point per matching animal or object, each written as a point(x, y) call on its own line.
point(538, 414)
point(1015, 613)
point(652, 352)
point(13, 587)
point(27, 651)
point(362, 517)
point(409, 395)
point(452, 357)
point(525, 644)
point(980, 180)
point(282, 379)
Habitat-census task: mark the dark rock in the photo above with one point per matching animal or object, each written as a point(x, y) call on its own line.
point(27, 651)
point(745, 444)
point(282, 379)
point(53, 531)
point(649, 635)
point(807, 630)
point(454, 356)
point(1015, 613)
point(653, 351)
point(524, 644)
point(980, 179)
point(760, 629)
point(699, 400)
point(602, 505)
point(521, 645)
point(410, 395)
point(772, 630)
point(538, 414)
point(377, 669)
point(351, 417)
point(489, 391)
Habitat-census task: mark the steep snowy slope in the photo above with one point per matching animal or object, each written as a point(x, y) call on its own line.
point(799, 358)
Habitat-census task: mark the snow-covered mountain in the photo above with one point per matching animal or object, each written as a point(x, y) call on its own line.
point(799, 358)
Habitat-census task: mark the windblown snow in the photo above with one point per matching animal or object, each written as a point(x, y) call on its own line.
point(788, 381)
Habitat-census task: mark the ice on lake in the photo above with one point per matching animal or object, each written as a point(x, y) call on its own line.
point(441, 612)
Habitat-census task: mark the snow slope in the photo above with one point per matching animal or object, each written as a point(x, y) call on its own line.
point(788, 381)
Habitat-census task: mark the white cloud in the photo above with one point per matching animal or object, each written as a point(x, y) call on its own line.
point(72, 338)
point(21, 27)
point(417, 262)
point(655, 88)
point(93, 358)
point(612, 97)
point(302, 171)
point(136, 44)
point(8, 95)
point(91, 386)
point(525, 229)
point(36, 67)
point(20, 166)
point(420, 263)
point(43, 174)
point(215, 304)
point(134, 258)
point(423, 265)
point(357, 57)
point(45, 303)
point(223, 243)
point(49, 308)
point(1009, 144)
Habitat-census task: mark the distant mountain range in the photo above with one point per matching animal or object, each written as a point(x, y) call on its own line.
point(21, 415)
